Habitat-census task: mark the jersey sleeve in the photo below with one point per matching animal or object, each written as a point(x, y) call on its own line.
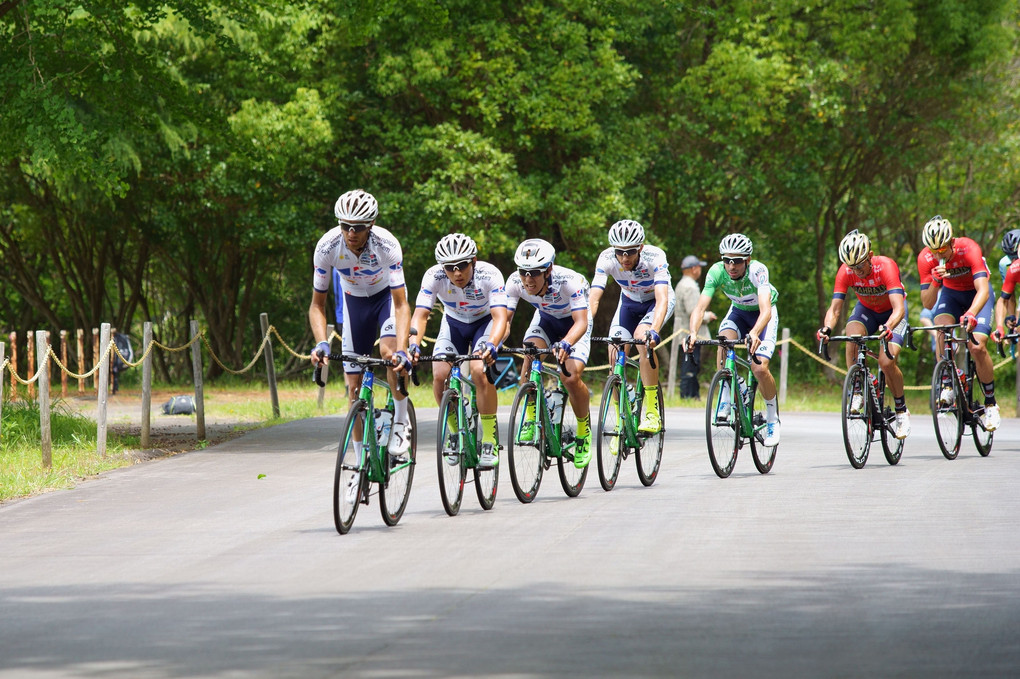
point(427, 295)
point(660, 273)
point(602, 265)
point(497, 293)
point(842, 284)
point(322, 263)
point(925, 263)
point(513, 291)
point(396, 266)
point(891, 277)
point(1009, 283)
point(713, 279)
point(578, 294)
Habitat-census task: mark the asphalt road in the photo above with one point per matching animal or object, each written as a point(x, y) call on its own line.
point(193, 566)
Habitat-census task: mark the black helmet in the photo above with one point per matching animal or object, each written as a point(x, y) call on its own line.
point(1010, 241)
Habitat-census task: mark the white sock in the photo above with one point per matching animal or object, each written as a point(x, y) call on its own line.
point(771, 409)
point(400, 410)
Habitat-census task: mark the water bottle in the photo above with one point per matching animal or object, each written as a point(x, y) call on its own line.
point(963, 379)
point(630, 394)
point(383, 424)
point(555, 402)
point(743, 390)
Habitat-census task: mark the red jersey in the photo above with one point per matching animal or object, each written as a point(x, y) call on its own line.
point(874, 289)
point(964, 265)
point(1012, 278)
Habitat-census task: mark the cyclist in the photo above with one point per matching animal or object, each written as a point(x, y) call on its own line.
point(370, 263)
point(1005, 305)
point(1008, 245)
point(474, 311)
point(752, 313)
point(881, 309)
point(561, 321)
point(646, 301)
point(957, 266)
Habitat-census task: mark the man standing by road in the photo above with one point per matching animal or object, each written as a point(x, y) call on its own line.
point(688, 291)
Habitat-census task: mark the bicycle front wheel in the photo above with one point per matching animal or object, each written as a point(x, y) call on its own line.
point(526, 443)
point(947, 408)
point(397, 488)
point(721, 426)
point(486, 480)
point(571, 478)
point(891, 446)
point(610, 434)
point(764, 456)
point(349, 476)
point(649, 455)
point(982, 437)
point(450, 454)
point(856, 416)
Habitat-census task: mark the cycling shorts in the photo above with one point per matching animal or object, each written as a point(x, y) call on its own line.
point(551, 330)
point(631, 314)
point(742, 321)
point(368, 319)
point(871, 319)
point(457, 337)
point(956, 302)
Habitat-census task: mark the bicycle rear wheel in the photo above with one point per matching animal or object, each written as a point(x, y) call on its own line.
point(649, 455)
point(764, 456)
point(526, 443)
point(982, 437)
point(610, 433)
point(891, 446)
point(721, 427)
point(394, 492)
point(571, 478)
point(856, 420)
point(349, 476)
point(449, 448)
point(486, 480)
point(948, 416)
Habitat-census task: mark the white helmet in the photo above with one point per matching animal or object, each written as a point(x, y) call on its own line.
point(937, 233)
point(534, 253)
point(356, 207)
point(455, 247)
point(854, 248)
point(736, 243)
point(626, 234)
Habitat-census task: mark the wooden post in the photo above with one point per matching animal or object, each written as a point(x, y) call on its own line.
point(45, 435)
point(63, 359)
point(95, 357)
point(3, 348)
point(102, 377)
point(146, 383)
point(196, 367)
point(784, 364)
point(29, 339)
point(80, 334)
point(14, 365)
point(325, 368)
point(274, 396)
point(674, 354)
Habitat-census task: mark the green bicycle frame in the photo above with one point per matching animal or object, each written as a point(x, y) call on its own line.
point(629, 406)
point(554, 447)
point(467, 399)
point(377, 472)
point(746, 410)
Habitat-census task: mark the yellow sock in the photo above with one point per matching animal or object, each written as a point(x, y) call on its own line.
point(489, 429)
point(652, 391)
point(584, 427)
point(529, 411)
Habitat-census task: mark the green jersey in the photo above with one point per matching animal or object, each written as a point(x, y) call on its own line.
point(743, 292)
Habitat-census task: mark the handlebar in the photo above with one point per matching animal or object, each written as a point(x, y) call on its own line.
point(365, 361)
point(619, 342)
point(729, 344)
point(457, 359)
point(530, 349)
point(1012, 338)
point(860, 340)
point(948, 328)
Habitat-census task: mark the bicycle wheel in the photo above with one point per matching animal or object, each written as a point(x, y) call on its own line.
point(982, 437)
point(486, 480)
point(856, 417)
point(947, 413)
point(720, 425)
point(449, 447)
point(349, 477)
point(609, 444)
point(571, 478)
point(526, 443)
point(764, 456)
point(649, 455)
point(891, 446)
point(394, 492)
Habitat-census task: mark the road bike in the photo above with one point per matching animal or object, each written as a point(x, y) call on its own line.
point(729, 421)
point(363, 459)
point(954, 403)
point(864, 413)
point(619, 416)
point(543, 428)
point(459, 436)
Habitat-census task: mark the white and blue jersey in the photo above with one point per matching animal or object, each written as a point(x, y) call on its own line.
point(638, 284)
point(467, 304)
point(379, 266)
point(566, 293)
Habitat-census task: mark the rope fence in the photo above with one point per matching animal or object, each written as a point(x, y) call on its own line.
point(103, 363)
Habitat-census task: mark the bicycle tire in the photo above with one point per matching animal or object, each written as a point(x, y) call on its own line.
point(350, 470)
point(526, 456)
point(764, 456)
point(610, 433)
point(486, 480)
point(857, 426)
point(649, 455)
point(982, 437)
point(571, 478)
point(948, 418)
point(395, 491)
point(722, 433)
point(891, 446)
point(449, 443)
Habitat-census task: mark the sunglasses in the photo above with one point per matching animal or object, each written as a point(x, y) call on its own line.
point(355, 228)
point(626, 253)
point(457, 266)
point(860, 266)
point(530, 272)
point(733, 260)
